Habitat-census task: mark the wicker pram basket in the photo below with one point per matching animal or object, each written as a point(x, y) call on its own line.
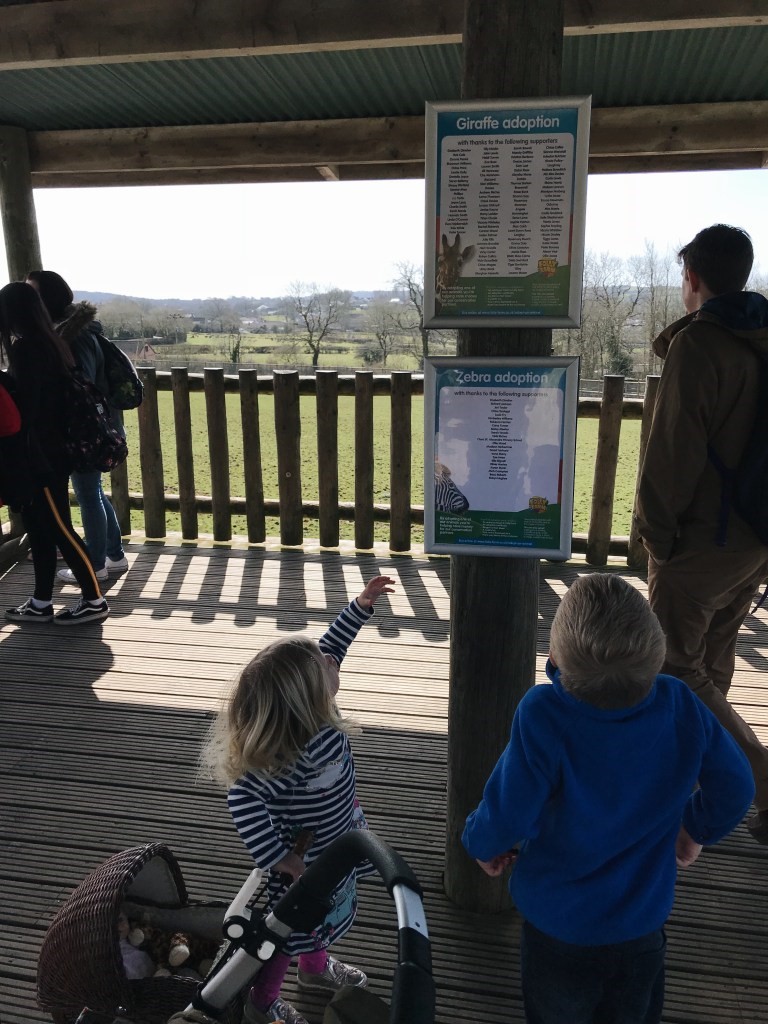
point(80, 965)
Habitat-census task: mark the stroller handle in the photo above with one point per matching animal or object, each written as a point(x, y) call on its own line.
point(303, 907)
point(335, 863)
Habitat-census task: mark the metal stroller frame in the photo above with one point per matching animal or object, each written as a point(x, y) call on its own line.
point(253, 938)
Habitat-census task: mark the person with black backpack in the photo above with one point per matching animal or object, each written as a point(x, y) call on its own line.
point(77, 325)
point(40, 367)
point(701, 508)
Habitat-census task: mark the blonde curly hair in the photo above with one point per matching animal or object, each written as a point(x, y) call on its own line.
point(281, 699)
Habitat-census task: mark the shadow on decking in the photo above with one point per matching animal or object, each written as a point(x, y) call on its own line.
point(101, 730)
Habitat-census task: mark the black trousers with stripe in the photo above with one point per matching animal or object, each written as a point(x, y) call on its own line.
point(48, 523)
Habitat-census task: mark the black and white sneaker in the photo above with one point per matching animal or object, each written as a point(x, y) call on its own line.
point(82, 612)
point(27, 612)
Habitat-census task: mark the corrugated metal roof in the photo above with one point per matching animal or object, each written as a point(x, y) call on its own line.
point(646, 68)
point(632, 69)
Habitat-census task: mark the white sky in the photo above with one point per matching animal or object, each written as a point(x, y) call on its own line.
point(221, 240)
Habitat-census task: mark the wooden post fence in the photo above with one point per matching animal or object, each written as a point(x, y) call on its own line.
point(391, 396)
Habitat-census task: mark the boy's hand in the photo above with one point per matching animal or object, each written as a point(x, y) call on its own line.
point(374, 589)
point(499, 864)
point(686, 849)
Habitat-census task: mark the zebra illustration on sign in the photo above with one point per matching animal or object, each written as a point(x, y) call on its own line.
point(450, 262)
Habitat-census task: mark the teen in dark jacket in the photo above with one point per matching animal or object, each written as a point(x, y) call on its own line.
point(76, 323)
point(38, 364)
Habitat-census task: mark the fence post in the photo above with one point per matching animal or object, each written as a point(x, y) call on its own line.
point(119, 497)
point(606, 461)
point(252, 471)
point(637, 556)
point(218, 450)
point(288, 436)
point(364, 460)
point(327, 398)
point(185, 462)
point(400, 463)
point(151, 458)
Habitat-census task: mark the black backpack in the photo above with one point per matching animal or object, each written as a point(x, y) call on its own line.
point(125, 389)
point(745, 487)
point(91, 440)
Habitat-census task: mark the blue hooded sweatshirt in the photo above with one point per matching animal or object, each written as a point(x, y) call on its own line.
point(595, 800)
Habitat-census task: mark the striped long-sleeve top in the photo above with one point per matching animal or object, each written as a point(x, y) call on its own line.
point(316, 794)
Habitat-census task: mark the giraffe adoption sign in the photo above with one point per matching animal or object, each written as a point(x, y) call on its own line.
point(499, 455)
point(506, 200)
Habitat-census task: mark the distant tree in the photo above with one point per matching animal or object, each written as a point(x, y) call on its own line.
point(420, 340)
point(610, 300)
point(221, 314)
point(318, 313)
point(625, 305)
point(383, 322)
point(234, 345)
point(657, 277)
point(409, 280)
point(121, 318)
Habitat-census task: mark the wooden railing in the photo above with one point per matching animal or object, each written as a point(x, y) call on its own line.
point(289, 505)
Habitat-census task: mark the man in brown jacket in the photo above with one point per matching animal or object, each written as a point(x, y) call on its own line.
point(705, 563)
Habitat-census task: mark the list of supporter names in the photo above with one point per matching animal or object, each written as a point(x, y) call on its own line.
point(511, 198)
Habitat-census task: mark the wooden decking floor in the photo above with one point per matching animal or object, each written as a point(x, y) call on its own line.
point(100, 730)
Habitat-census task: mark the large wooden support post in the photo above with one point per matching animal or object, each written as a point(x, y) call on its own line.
point(512, 49)
point(17, 206)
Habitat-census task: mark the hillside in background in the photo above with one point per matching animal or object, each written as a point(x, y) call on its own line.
point(192, 305)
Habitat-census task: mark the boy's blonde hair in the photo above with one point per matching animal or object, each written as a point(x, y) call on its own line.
point(280, 700)
point(607, 642)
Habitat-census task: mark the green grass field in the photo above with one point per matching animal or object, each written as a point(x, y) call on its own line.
point(585, 459)
point(278, 349)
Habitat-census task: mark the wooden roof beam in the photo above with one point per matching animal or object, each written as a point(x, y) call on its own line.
point(313, 144)
point(315, 150)
point(227, 176)
point(71, 32)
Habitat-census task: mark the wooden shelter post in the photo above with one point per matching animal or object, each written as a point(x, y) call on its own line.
point(512, 49)
point(17, 205)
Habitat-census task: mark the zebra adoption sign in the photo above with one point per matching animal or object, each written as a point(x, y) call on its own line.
point(506, 188)
point(499, 455)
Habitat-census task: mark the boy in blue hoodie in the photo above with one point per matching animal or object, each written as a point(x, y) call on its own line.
point(598, 790)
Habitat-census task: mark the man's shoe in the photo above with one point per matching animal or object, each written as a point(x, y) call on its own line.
point(280, 1010)
point(116, 564)
point(757, 826)
point(69, 577)
point(81, 613)
point(335, 976)
point(28, 613)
